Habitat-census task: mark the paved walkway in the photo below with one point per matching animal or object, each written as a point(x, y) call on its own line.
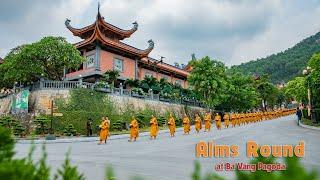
point(173, 158)
point(86, 139)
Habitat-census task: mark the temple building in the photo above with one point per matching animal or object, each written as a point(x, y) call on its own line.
point(104, 50)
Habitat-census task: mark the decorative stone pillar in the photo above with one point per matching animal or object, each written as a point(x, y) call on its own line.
point(151, 93)
point(41, 82)
point(121, 89)
point(80, 81)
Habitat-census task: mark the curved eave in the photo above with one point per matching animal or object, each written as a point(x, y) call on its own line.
point(98, 36)
point(81, 31)
point(121, 32)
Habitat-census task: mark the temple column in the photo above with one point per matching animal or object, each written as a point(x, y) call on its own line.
point(136, 69)
point(97, 59)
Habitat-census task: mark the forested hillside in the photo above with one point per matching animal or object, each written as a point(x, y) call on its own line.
point(286, 65)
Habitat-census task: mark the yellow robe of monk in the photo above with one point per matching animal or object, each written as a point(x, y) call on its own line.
point(134, 129)
point(207, 122)
point(104, 132)
point(233, 120)
point(217, 118)
point(172, 125)
point(226, 120)
point(186, 125)
point(197, 123)
point(154, 127)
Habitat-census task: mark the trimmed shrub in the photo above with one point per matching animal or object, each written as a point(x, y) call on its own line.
point(161, 120)
point(70, 131)
point(13, 124)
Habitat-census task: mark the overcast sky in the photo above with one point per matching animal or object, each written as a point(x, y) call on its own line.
point(232, 31)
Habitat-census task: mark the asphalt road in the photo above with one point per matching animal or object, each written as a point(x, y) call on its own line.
point(173, 158)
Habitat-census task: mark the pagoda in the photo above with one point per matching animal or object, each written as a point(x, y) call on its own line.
point(104, 50)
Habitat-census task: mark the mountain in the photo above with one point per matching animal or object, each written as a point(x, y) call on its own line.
point(284, 66)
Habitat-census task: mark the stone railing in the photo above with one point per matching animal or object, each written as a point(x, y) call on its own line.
point(62, 85)
point(114, 91)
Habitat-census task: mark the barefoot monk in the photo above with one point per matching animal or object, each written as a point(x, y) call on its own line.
point(134, 129)
point(154, 127)
point(197, 123)
point(172, 125)
point(186, 124)
point(104, 130)
point(207, 122)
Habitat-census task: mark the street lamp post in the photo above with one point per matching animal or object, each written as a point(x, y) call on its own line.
point(311, 108)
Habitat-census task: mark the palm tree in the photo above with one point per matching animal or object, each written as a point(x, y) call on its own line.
point(148, 82)
point(132, 83)
point(111, 76)
point(163, 82)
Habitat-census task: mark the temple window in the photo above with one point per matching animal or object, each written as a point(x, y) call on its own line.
point(90, 61)
point(118, 64)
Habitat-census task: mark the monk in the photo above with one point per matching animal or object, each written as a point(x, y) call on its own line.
point(217, 118)
point(197, 123)
point(233, 120)
point(207, 122)
point(134, 130)
point(226, 120)
point(186, 124)
point(104, 130)
point(172, 125)
point(238, 119)
point(154, 127)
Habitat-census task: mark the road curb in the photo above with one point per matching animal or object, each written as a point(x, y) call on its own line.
point(87, 139)
point(309, 127)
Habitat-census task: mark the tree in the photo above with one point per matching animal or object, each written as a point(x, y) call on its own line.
point(208, 79)
point(268, 93)
point(314, 78)
point(47, 57)
point(285, 65)
point(149, 82)
point(241, 93)
point(297, 89)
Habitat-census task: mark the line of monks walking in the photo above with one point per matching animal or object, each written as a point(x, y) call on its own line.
point(229, 119)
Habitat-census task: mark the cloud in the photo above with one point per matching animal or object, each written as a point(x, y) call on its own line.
point(231, 31)
point(24, 22)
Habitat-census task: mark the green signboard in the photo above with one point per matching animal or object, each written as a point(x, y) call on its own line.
point(20, 102)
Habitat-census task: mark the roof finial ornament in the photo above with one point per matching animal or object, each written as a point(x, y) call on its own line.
point(67, 22)
point(135, 25)
point(151, 44)
point(98, 15)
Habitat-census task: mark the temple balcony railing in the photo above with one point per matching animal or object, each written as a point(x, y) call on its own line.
point(45, 84)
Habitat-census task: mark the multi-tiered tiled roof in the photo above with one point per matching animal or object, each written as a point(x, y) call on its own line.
point(108, 35)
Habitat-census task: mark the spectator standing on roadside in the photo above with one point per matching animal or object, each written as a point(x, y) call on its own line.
point(299, 114)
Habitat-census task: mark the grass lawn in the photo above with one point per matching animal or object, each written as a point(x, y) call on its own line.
point(309, 122)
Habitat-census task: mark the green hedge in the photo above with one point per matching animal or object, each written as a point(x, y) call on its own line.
point(79, 121)
point(84, 104)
